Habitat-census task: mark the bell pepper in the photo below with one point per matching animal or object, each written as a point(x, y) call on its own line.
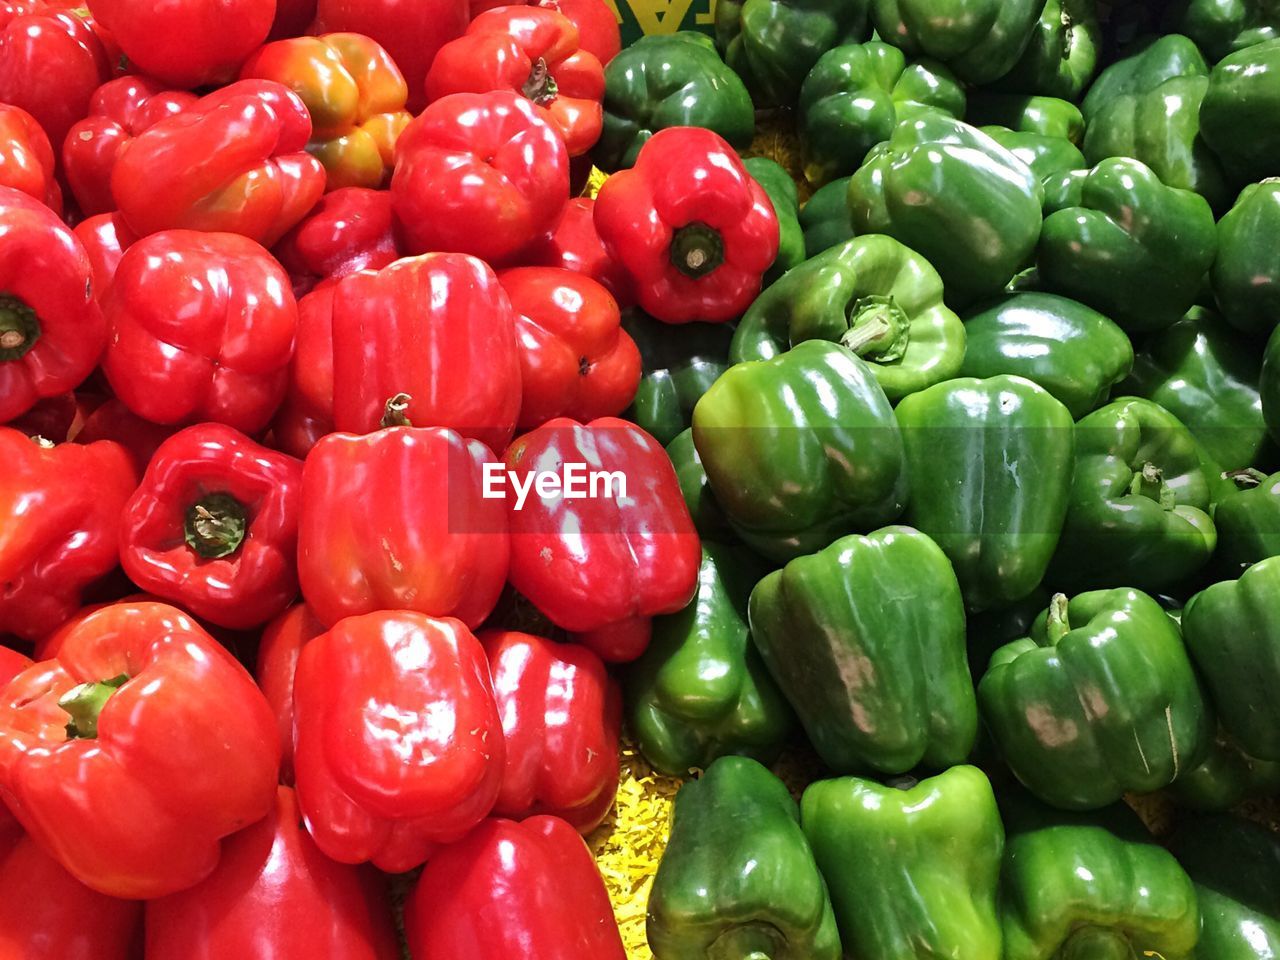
point(738, 878)
point(105, 237)
point(678, 368)
point(873, 296)
point(815, 414)
point(886, 602)
point(133, 753)
point(691, 227)
point(438, 328)
point(397, 740)
point(575, 245)
point(599, 565)
point(1224, 779)
point(1048, 157)
point(980, 40)
point(202, 328)
point(1062, 54)
point(52, 331)
point(1071, 350)
point(276, 665)
point(937, 179)
point(785, 199)
point(26, 158)
point(575, 359)
point(214, 527)
point(355, 95)
point(479, 173)
point(1238, 114)
point(1269, 386)
point(1220, 27)
point(306, 415)
point(179, 173)
point(912, 866)
point(855, 95)
point(1047, 116)
point(513, 891)
point(825, 217)
point(1139, 502)
point(428, 540)
point(1095, 886)
point(561, 714)
point(1100, 699)
point(669, 80)
point(350, 229)
point(1247, 518)
point(701, 691)
point(1246, 273)
point(114, 421)
point(1119, 240)
point(708, 518)
point(989, 463)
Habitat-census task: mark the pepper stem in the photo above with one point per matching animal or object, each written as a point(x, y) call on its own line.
point(85, 702)
point(19, 328)
point(696, 250)
point(395, 413)
point(1149, 482)
point(541, 86)
point(879, 329)
point(1059, 624)
point(749, 941)
point(216, 525)
point(1066, 29)
point(1245, 479)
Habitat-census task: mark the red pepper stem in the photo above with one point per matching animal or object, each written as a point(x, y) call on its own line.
point(19, 328)
point(879, 329)
point(541, 86)
point(216, 525)
point(1059, 624)
point(696, 250)
point(396, 412)
point(85, 702)
point(1245, 479)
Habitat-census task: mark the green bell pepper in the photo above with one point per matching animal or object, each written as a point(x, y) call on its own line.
point(701, 691)
point(990, 468)
point(1063, 53)
point(669, 80)
point(1071, 350)
point(1246, 274)
point(1248, 521)
point(708, 518)
point(679, 364)
point(737, 879)
point(845, 632)
point(873, 296)
point(1240, 115)
point(801, 449)
point(1269, 386)
point(1047, 116)
point(954, 195)
point(855, 95)
point(785, 198)
point(912, 867)
point(980, 40)
point(1048, 157)
point(1220, 27)
point(1119, 240)
point(1227, 777)
point(825, 217)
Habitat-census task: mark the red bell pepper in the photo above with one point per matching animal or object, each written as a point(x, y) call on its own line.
point(534, 52)
point(575, 359)
point(575, 245)
point(561, 716)
point(397, 741)
point(513, 891)
point(117, 112)
point(690, 226)
point(114, 421)
point(275, 894)
point(348, 230)
point(105, 237)
point(61, 507)
point(436, 327)
point(170, 747)
point(26, 159)
point(397, 520)
point(479, 173)
point(602, 563)
point(214, 527)
point(202, 328)
point(233, 161)
point(278, 653)
point(307, 412)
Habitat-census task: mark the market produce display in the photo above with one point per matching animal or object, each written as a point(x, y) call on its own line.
point(805, 486)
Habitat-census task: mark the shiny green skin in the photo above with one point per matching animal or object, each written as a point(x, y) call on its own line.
point(773, 44)
point(875, 296)
point(1206, 375)
point(855, 95)
point(1220, 27)
point(801, 449)
point(980, 40)
point(938, 181)
point(1048, 157)
point(679, 363)
point(913, 870)
point(1071, 350)
point(1142, 69)
point(1091, 887)
point(1047, 116)
point(1269, 386)
point(1099, 700)
point(1246, 274)
point(1119, 240)
point(701, 691)
point(782, 193)
point(1226, 778)
point(825, 217)
point(737, 879)
point(990, 468)
point(1248, 522)
point(844, 632)
point(1063, 53)
point(708, 518)
point(1240, 115)
point(1123, 529)
point(669, 80)
point(1235, 866)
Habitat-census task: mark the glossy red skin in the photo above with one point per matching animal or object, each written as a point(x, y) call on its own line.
point(187, 43)
point(278, 652)
point(499, 51)
point(575, 359)
point(602, 566)
point(26, 158)
point(561, 718)
point(350, 229)
point(436, 327)
point(117, 112)
point(479, 173)
point(513, 891)
point(105, 237)
point(575, 245)
point(57, 537)
point(202, 328)
point(251, 585)
point(307, 412)
point(114, 421)
point(396, 520)
point(186, 753)
point(275, 894)
point(397, 740)
point(233, 161)
point(687, 175)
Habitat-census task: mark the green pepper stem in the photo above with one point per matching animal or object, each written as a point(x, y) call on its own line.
point(696, 250)
point(541, 87)
point(19, 328)
point(879, 329)
point(396, 411)
point(749, 941)
point(1245, 479)
point(1149, 482)
point(216, 525)
point(85, 702)
point(1059, 624)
